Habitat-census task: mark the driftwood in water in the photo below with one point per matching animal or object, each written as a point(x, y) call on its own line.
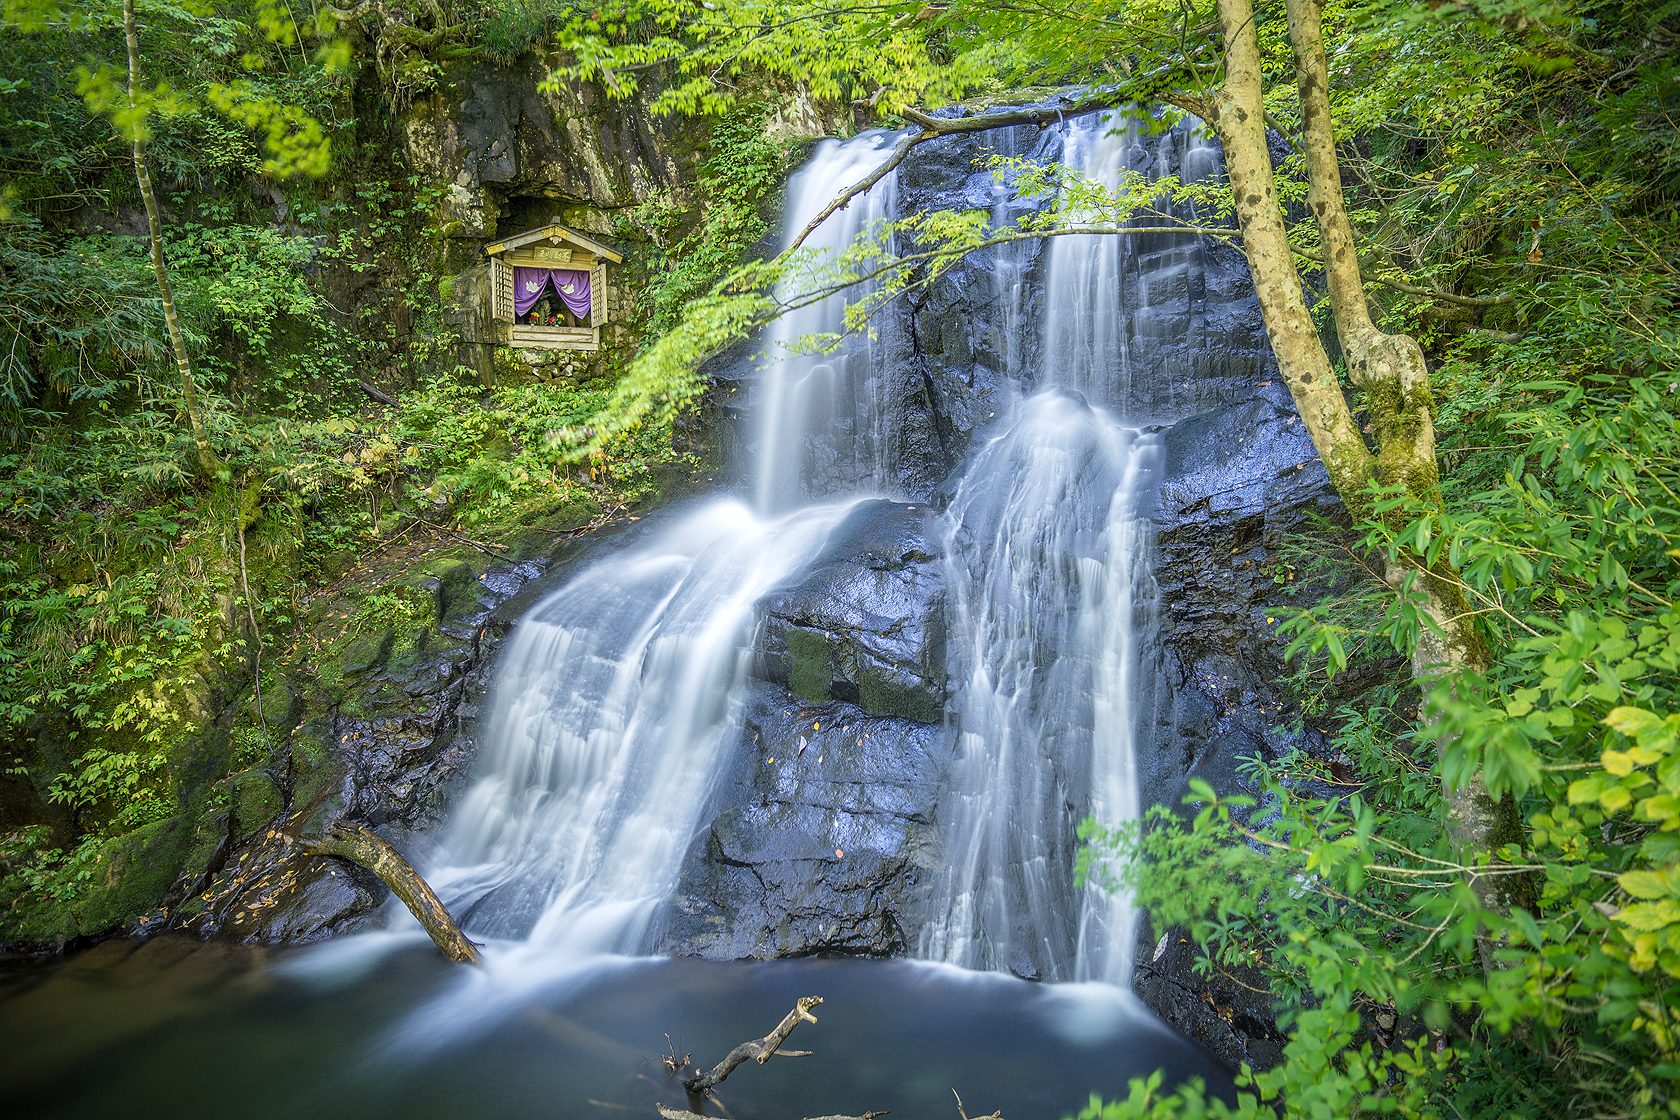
point(998, 1115)
point(759, 1049)
point(359, 845)
point(684, 1114)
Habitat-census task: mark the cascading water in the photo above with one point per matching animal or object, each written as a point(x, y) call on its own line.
point(1049, 559)
point(1085, 337)
point(817, 416)
point(617, 699)
point(615, 702)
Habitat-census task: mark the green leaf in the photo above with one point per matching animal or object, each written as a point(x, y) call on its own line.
point(1530, 928)
point(1646, 884)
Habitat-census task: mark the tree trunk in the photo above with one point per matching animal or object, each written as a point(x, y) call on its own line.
point(1392, 371)
point(1390, 368)
point(359, 845)
point(1237, 115)
point(207, 460)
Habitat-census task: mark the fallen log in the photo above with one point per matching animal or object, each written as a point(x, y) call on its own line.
point(760, 1050)
point(360, 846)
point(382, 398)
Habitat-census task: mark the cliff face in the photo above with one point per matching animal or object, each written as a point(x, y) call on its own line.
point(505, 155)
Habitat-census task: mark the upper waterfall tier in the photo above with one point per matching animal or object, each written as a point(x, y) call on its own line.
point(817, 414)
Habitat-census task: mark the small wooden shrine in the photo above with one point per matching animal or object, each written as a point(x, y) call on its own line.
point(549, 286)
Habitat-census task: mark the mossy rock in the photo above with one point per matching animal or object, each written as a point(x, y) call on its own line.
point(131, 875)
point(890, 693)
point(368, 650)
point(313, 765)
point(460, 582)
point(255, 801)
point(335, 564)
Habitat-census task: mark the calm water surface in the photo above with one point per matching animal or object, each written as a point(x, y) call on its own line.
point(381, 1026)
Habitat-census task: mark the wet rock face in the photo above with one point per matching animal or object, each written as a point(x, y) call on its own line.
point(866, 623)
point(299, 908)
point(387, 745)
point(1239, 482)
point(821, 834)
point(821, 839)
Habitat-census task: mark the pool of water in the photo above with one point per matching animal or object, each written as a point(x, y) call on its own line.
point(381, 1026)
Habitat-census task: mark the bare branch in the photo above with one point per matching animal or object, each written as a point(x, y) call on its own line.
point(840, 201)
point(760, 1050)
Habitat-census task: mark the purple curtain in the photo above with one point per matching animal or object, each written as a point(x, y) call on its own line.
point(570, 284)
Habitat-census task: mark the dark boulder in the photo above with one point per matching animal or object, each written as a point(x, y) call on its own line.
point(822, 837)
point(866, 622)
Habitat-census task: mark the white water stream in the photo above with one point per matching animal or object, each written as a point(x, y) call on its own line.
point(615, 703)
point(818, 409)
point(1049, 559)
point(1047, 552)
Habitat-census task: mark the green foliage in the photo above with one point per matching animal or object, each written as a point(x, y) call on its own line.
point(114, 777)
point(73, 317)
point(28, 867)
point(742, 170)
point(836, 53)
point(508, 28)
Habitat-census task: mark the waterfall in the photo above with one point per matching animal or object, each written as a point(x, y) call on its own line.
point(1047, 563)
point(1049, 552)
point(1123, 319)
point(818, 428)
point(1086, 344)
point(618, 698)
point(615, 703)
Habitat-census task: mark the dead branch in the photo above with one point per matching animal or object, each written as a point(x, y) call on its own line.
point(382, 398)
point(998, 1115)
point(684, 1114)
point(462, 537)
point(360, 846)
point(759, 1049)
